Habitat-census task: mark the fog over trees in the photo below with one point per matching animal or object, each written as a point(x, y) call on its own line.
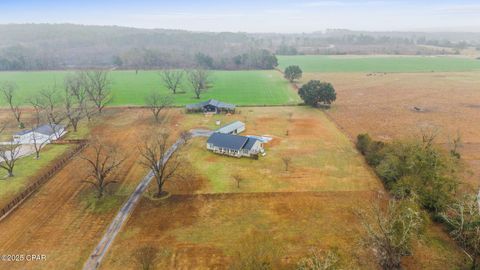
point(68, 46)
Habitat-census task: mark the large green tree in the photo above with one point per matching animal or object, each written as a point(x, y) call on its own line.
point(414, 168)
point(315, 92)
point(293, 73)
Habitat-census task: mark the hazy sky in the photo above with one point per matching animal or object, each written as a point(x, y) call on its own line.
point(252, 16)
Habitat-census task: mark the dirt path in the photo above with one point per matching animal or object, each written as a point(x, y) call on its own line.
point(99, 252)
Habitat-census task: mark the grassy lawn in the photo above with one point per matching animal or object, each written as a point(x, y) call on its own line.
point(239, 87)
point(318, 63)
point(208, 219)
point(322, 158)
point(25, 171)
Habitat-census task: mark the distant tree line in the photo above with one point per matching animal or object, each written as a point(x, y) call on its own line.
point(65, 46)
point(152, 59)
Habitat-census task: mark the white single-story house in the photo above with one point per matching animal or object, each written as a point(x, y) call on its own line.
point(234, 145)
point(42, 135)
point(232, 128)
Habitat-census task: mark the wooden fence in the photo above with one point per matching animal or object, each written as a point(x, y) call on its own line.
point(42, 179)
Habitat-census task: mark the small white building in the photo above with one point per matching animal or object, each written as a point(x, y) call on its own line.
point(42, 135)
point(232, 128)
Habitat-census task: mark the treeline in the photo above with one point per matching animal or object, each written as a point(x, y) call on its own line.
point(415, 167)
point(338, 41)
point(424, 173)
point(65, 46)
point(154, 59)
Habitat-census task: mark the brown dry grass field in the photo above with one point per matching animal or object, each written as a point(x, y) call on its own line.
point(62, 220)
point(203, 223)
point(383, 105)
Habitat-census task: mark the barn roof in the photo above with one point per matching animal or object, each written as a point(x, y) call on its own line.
point(231, 127)
point(233, 142)
point(211, 102)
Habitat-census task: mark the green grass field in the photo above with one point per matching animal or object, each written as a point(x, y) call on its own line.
point(239, 87)
point(319, 63)
point(25, 170)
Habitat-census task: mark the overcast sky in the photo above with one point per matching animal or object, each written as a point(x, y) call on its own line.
point(252, 16)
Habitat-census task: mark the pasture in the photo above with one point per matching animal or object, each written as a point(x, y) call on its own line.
point(129, 88)
point(347, 64)
point(208, 217)
point(322, 158)
point(384, 106)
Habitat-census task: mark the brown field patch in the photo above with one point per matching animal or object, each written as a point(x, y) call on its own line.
point(382, 106)
point(203, 231)
point(59, 220)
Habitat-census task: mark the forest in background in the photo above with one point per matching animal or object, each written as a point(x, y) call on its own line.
point(68, 46)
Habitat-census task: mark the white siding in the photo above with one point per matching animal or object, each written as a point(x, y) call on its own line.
point(40, 138)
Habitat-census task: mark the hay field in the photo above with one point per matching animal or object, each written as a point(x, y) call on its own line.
point(254, 87)
point(380, 63)
point(383, 105)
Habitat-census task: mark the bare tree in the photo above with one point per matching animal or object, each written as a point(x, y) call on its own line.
point(49, 102)
point(98, 89)
point(199, 80)
point(157, 103)
point(103, 162)
point(74, 100)
point(238, 179)
point(37, 145)
point(172, 79)
point(390, 232)
point(429, 135)
point(9, 154)
point(327, 260)
point(456, 143)
point(286, 162)
point(463, 217)
point(8, 90)
point(37, 107)
point(157, 156)
point(146, 257)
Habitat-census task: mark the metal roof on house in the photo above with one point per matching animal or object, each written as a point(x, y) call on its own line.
point(250, 143)
point(211, 102)
point(45, 129)
point(231, 127)
point(232, 142)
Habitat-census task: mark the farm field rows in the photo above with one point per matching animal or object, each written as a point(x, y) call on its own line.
point(129, 88)
point(383, 105)
point(312, 205)
point(351, 63)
